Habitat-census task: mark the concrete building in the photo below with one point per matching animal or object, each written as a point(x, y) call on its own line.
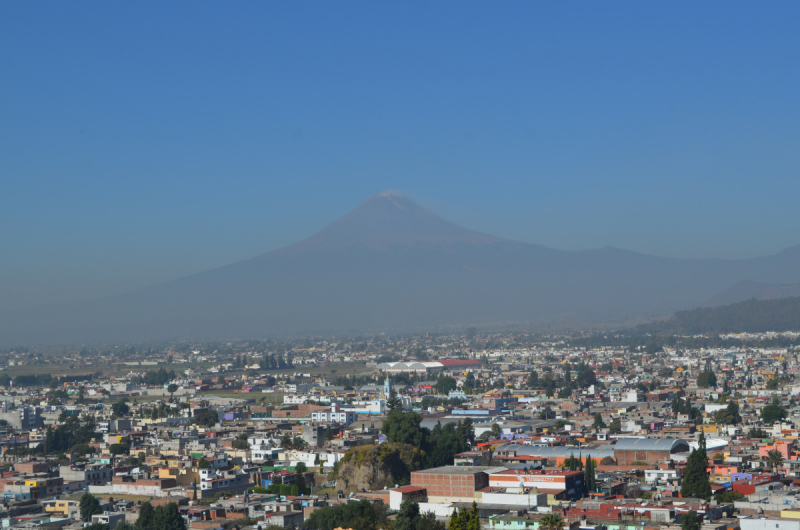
point(336, 414)
point(215, 481)
point(91, 475)
point(769, 524)
point(561, 485)
point(24, 417)
point(108, 518)
point(314, 435)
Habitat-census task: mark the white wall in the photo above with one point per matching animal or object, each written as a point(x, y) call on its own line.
point(439, 510)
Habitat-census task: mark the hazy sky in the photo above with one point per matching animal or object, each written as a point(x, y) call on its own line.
point(141, 141)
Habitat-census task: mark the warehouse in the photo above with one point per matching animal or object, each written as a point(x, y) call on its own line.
point(453, 483)
point(650, 450)
point(428, 367)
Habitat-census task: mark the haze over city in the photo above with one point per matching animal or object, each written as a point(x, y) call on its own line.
point(141, 144)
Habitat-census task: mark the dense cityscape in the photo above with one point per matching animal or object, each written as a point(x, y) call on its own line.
point(499, 430)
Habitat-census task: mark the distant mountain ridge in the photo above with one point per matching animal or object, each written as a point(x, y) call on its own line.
point(750, 316)
point(746, 290)
point(391, 265)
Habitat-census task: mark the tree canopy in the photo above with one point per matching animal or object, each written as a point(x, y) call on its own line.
point(88, 506)
point(773, 412)
point(707, 379)
point(362, 515)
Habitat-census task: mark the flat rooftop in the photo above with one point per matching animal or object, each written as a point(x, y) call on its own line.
point(461, 470)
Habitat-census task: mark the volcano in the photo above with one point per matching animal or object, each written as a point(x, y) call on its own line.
point(392, 265)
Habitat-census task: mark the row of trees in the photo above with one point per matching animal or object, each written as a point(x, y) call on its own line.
point(73, 433)
point(158, 377)
point(24, 380)
point(275, 362)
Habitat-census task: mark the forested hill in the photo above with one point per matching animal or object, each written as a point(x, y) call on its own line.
point(751, 316)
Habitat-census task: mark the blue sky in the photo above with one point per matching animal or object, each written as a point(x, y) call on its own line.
point(140, 142)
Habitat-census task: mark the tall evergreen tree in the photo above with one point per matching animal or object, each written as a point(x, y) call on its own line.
point(695, 478)
point(300, 483)
point(588, 472)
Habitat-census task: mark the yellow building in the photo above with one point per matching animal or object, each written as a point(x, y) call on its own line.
point(708, 428)
point(60, 507)
point(37, 482)
point(183, 476)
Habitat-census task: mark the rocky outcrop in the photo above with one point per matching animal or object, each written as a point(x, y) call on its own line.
point(373, 467)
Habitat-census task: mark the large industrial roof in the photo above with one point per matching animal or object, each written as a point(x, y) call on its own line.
point(410, 365)
point(561, 451)
point(421, 365)
point(649, 444)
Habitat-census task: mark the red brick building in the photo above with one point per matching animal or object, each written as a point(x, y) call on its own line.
point(453, 483)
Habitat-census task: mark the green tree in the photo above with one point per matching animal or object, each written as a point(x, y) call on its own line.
point(457, 520)
point(427, 521)
point(707, 379)
point(328, 433)
point(586, 378)
point(589, 474)
point(408, 516)
point(394, 404)
point(145, 519)
point(203, 463)
point(775, 459)
point(241, 442)
point(474, 521)
point(206, 418)
point(88, 507)
point(727, 497)
point(695, 476)
point(119, 449)
point(300, 482)
point(120, 408)
point(573, 463)
point(729, 415)
point(757, 433)
point(615, 427)
point(362, 515)
point(773, 412)
point(167, 517)
point(403, 427)
point(496, 430)
point(690, 521)
point(598, 421)
point(551, 521)
point(172, 388)
point(445, 384)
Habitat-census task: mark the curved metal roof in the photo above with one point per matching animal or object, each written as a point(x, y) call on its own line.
point(561, 451)
point(649, 444)
point(401, 365)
